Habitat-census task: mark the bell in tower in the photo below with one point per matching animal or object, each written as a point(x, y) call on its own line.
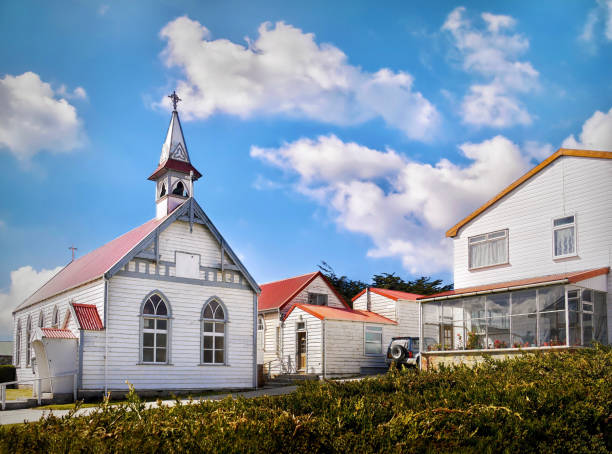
point(175, 175)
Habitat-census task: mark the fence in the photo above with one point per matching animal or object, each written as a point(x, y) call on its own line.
point(36, 387)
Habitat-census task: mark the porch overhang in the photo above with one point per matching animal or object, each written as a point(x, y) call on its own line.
point(520, 284)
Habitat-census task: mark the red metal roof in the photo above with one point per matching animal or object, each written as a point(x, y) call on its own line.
point(393, 294)
point(87, 316)
point(276, 294)
point(571, 278)
point(334, 313)
point(179, 166)
point(93, 265)
point(56, 333)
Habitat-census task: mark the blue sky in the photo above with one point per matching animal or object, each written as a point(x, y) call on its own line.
point(335, 132)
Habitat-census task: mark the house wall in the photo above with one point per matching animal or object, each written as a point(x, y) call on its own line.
point(272, 322)
point(380, 304)
point(318, 285)
point(313, 340)
point(408, 318)
point(570, 185)
point(93, 360)
point(92, 293)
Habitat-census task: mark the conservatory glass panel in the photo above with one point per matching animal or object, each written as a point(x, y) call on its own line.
point(575, 336)
point(498, 331)
point(524, 302)
point(498, 304)
point(600, 319)
point(524, 330)
point(551, 298)
point(552, 328)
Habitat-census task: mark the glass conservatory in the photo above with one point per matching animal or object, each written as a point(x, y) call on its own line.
point(549, 316)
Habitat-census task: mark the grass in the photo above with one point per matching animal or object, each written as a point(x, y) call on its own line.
point(14, 394)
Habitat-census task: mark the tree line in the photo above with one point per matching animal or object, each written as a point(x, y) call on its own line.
point(348, 288)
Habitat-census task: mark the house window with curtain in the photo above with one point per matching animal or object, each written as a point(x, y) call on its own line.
point(319, 299)
point(373, 340)
point(155, 330)
point(488, 249)
point(214, 321)
point(564, 237)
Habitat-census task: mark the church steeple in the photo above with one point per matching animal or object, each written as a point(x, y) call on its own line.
point(175, 175)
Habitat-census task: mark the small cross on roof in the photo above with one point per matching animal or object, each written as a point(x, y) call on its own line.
point(175, 99)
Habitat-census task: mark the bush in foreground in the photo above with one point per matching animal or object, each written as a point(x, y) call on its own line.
point(546, 402)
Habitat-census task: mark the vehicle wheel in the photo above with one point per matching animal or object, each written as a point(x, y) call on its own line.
point(397, 353)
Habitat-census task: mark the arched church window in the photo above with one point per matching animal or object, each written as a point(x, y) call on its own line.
point(214, 321)
point(18, 344)
point(41, 319)
point(55, 319)
point(163, 190)
point(180, 189)
point(155, 316)
point(28, 341)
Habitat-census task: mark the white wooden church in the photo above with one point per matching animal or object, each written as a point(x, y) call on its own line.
point(166, 306)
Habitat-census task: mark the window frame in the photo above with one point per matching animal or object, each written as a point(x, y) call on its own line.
point(487, 240)
point(377, 329)
point(167, 331)
point(18, 339)
point(261, 332)
point(28, 338)
point(318, 297)
point(41, 319)
point(214, 334)
point(55, 318)
point(554, 228)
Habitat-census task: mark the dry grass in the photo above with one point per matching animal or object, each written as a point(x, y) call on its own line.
point(14, 394)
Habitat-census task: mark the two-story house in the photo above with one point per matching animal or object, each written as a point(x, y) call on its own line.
point(531, 266)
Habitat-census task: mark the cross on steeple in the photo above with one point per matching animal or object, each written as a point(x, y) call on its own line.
point(175, 99)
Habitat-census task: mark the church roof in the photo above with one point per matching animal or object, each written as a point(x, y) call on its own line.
point(108, 259)
point(174, 155)
point(92, 266)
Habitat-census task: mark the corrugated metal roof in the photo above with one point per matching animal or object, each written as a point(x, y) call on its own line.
point(93, 265)
point(88, 317)
point(334, 313)
point(173, 164)
point(276, 294)
point(571, 277)
point(393, 294)
point(56, 333)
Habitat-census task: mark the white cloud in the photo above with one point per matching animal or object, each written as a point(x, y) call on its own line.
point(403, 206)
point(492, 53)
point(34, 118)
point(599, 20)
point(103, 9)
point(285, 71)
point(596, 133)
point(24, 281)
point(77, 93)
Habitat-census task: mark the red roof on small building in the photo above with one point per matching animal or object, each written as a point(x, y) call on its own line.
point(570, 278)
point(56, 333)
point(335, 313)
point(179, 166)
point(393, 294)
point(93, 265)
point(276, 294)
point(87, 316)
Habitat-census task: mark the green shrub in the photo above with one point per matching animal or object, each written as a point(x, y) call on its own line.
point(543, 402)
point(8, 373)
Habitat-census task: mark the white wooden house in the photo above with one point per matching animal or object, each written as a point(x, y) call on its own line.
point(306, 327)
point(531, 266)
point(167, 306)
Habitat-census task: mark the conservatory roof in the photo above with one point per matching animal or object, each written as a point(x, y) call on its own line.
point(563, 278)
point(335, 313)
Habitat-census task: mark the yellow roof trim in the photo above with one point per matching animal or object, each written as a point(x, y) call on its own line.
point(561, 152)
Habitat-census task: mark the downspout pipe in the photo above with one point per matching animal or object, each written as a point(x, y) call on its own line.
point(323, 323)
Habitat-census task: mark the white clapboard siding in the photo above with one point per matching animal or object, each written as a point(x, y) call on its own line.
point(92, 293)
point(345, 349)
point(126, 295)
point(177, 237)
point(570, 185)
point(361, 303)
point(408, 319)
point(313, 340)
point(272, 322)
point(93, 360)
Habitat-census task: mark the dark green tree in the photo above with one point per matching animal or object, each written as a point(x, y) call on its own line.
point(347, 288)
point(423, 285)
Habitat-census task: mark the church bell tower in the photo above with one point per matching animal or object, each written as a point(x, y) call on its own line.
point(175, 175)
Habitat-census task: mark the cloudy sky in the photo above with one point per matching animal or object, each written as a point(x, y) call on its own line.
point(339, 133)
